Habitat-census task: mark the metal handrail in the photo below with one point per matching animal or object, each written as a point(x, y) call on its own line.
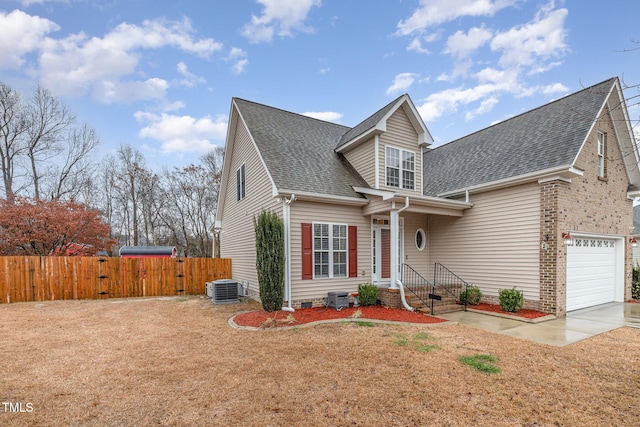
point(447, 280)
point(417, 286)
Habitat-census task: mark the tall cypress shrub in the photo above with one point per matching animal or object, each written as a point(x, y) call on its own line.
point(269, 230)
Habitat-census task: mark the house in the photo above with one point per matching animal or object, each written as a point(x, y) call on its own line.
point(541, 202)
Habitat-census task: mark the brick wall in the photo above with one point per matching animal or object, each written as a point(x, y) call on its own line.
point(588, 204)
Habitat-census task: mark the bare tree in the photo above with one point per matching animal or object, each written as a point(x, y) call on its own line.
point(73, 172)
point(193, 192)
point(13, 126)
point(48, 121)
point(42, 150)
point(131, 170)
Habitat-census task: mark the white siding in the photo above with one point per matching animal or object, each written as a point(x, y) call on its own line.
point(400, 134)
point(496, 244)
point(308, 212)
point(237, 238)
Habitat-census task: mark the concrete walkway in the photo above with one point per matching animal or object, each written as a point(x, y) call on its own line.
point(577, 326)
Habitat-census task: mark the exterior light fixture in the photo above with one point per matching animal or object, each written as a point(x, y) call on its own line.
point(568, 240)
point(634, 242)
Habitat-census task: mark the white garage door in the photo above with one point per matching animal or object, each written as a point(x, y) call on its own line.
point(591, 272)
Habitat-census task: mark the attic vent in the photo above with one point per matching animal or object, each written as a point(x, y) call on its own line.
point(225, 291)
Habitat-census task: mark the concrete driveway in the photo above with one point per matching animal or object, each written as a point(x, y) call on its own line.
point(577, 326)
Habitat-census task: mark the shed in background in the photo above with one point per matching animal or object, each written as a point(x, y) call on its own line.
point(148, 252)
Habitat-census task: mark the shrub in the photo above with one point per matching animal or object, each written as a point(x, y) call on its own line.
point(635, 285)
point(367, 294)
point(471, 296)
point(269, 230)
point(511, 300)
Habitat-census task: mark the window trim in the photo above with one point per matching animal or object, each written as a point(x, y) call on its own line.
point(601, 142)
point(241, 183)
point(330, 251)
point(424, 239)
point(400, 168)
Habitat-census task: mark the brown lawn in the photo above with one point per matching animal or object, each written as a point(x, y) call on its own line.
point(175, 361)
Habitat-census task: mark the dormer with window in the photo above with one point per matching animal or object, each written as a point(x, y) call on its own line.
point(386, 148)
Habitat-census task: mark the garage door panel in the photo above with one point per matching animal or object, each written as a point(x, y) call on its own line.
point(591, 272)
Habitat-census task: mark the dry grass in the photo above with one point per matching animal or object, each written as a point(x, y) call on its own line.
point(177, 362)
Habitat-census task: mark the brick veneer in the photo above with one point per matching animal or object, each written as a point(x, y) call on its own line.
point(587, 204)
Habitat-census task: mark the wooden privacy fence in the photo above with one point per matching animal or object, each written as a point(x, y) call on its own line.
point(35, 278)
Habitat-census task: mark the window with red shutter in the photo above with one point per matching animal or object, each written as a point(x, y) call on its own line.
point(307, 252)
point(353, 251)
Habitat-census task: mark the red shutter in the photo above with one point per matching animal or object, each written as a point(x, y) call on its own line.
point(307, 252)
point(353, 251)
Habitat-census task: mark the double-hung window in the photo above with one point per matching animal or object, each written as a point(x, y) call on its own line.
point(329, 250)
point(601, 154)
point(400, 168)
point(240, 183)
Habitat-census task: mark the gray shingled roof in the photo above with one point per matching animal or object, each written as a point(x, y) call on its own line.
point(546, 137)
point(299, 150)
point(367, 123)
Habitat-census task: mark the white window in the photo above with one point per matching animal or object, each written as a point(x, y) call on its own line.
point(601, 154)
point(240, 183)
point(329, 250)
point(421, 239)
point(400, 168)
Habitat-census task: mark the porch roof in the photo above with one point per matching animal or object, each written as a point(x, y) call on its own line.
point(381, 201)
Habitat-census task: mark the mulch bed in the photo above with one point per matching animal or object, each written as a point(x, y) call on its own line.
point(494, 308)
point(307, 315)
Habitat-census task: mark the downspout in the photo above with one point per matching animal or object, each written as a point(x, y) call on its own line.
point(402, 298)
point(398, 281)
point(286, 216)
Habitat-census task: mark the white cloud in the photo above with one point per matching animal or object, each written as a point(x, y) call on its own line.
point(79, 64)
point(190, 79)
point(279, 17)
point(327, 116)
point(416, 45)
point(123, 91)
point(485, 106)
point(447, 101)
point(182, 134)
point(431, 13)
point(27, 3)
point(555, 88)
point(21, 34)
point(239, 59)
point(401, 83)
point(463, 44)
point(541, 39)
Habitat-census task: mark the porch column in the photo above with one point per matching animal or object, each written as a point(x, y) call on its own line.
point(394, 227)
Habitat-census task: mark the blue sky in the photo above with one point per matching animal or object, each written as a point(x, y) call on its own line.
point(160, 75)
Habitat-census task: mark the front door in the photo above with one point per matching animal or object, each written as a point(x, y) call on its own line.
point(381, 250)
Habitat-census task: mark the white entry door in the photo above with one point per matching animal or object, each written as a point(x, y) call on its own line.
point(381, 250)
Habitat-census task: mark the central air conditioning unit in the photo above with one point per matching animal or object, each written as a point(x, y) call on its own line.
point(209, 289)
point(338, 300)
point(225, 291)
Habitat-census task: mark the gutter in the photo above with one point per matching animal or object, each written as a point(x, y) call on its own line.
point(565, 172)
point(398, 281)
point(402, 298)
